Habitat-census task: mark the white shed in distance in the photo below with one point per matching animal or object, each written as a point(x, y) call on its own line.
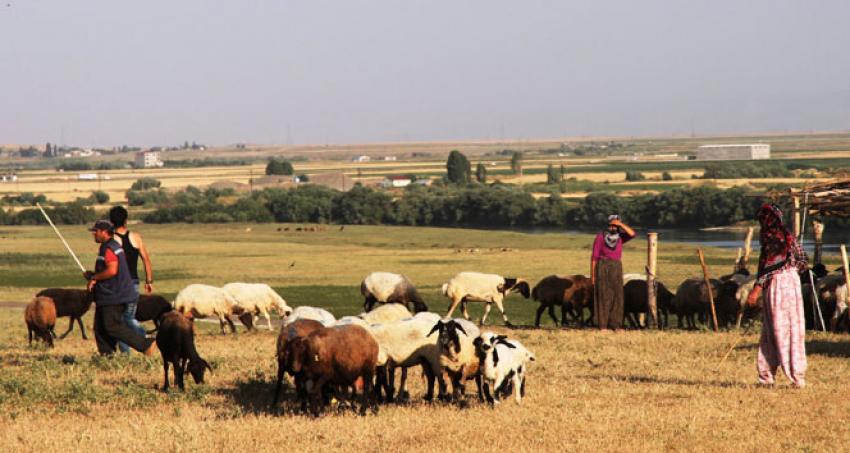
point(734, 152)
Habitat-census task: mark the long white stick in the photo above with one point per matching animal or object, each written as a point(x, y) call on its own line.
point(56, 230)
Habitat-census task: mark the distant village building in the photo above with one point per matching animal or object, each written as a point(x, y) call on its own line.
point(734, 152)
point(11, 177)
point(363, 158)
point(390, 158)
point(391, 182)
point(87, 176)
point(148, 159)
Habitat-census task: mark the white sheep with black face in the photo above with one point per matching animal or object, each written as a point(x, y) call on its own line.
point(488, 288)
point(458, 355)
point(258, 299)
point(504, 365)
point(388, 288)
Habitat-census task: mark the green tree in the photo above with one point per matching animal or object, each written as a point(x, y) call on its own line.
point(632, 175)
point(516, 162)
point(100, 197)
point(303, 178)
point(481, 173)
point(563, 172)
point(145, 184)
point(458, 168)
point(279, 167)
point(666, 176)
point(553, 176)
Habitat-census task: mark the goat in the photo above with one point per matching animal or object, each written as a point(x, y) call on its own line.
point(176, 342)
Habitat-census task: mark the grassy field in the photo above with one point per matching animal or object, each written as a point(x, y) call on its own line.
point(635, 391)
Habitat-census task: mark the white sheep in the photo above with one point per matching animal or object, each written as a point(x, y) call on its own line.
point(503, 360)
point(458, 353)
point(405, 343)
point(488, 288)
point(199, 300)
point(386, 313)
point(386, 287)
point(306, 312)
point(258, 298)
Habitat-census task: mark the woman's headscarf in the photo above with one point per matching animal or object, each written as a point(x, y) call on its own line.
point(612, 238)
point(779, 246)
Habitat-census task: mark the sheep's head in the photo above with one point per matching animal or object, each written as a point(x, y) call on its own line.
point(448, 336)
point(197, 368)
point(487, 342)
point(516, 285)
point(296, 350)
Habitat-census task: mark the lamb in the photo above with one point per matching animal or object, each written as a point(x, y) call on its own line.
point(573, 293)
point(151, 307)
point(832, 292)
point(692, 299)
point(70, 302)
point(306, 312)
point(40, 317)
point(296, 329)
point(503, 361)
point(405, 343)
point(258, 299)
point(337, 356)
point(487, 288)
point(386, 313)
point(458, 355)
point(198, 300)
point(635, 302)
point(176, 342)
point(385, 288)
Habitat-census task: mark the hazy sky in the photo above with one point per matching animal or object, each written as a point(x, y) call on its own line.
point(148, 72)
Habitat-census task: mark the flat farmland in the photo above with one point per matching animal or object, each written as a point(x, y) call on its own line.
point(633, 391)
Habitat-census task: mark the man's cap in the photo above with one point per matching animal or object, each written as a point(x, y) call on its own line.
point(102, 224)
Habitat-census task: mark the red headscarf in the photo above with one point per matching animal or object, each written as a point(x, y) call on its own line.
point(779, 247)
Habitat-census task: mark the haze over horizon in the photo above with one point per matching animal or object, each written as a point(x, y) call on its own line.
point(101, 73)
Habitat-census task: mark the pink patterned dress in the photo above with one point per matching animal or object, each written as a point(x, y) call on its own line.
point(783, 333)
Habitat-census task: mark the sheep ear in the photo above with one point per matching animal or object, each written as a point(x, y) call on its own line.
point(459, 327)
point(435, 328)
point(477, 342)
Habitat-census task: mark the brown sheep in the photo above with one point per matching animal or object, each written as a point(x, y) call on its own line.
point(175, 339)
point(70, 302)
point(572, 292)
point(40, 316)
point(296, 329)
point(338, 356)
point(635, 301)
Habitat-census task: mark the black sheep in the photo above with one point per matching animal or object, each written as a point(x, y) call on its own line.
point(151, 308)
point(635, 301)
point(70, 302)
point(176, 342)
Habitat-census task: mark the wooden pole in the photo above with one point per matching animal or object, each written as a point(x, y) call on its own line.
point(708, 288)
point(738, 259)
point(818, 227)
point(796, 217)
point(651, 264)
point(748, 248)
point(56, 230)
point(844, 262)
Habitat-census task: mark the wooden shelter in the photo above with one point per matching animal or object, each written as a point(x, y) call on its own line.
point(825, 199)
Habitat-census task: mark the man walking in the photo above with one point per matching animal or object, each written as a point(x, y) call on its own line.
point(134, 247)
point(113, 290)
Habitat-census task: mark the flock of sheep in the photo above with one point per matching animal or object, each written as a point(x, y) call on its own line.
point(331, 357)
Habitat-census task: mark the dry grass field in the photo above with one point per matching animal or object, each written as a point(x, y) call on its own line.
point(633, 391)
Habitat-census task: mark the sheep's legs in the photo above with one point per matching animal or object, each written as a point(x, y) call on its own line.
point(179, 369)
point(29, 329)
point(563, 315)
point(486, 312)
point(279, 385)
point(82, 328)
point(465, 311)
point(539, 313)
point(368, 401)
point(165, 368)
point(552, 314)
point(517, 379)
point(487, 395)
point(70, 328)
point(478, 386)
point(452, 307)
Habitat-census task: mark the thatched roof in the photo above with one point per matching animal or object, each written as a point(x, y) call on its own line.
point(825, 199)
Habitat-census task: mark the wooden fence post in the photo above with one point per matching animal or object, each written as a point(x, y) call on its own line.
point(708, 288)
point(748, 248)
point(651, 264)
point(796, 217)
point(818, 227)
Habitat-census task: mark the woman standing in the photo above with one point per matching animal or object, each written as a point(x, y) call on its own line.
point(783, 332)
point(606, 273)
